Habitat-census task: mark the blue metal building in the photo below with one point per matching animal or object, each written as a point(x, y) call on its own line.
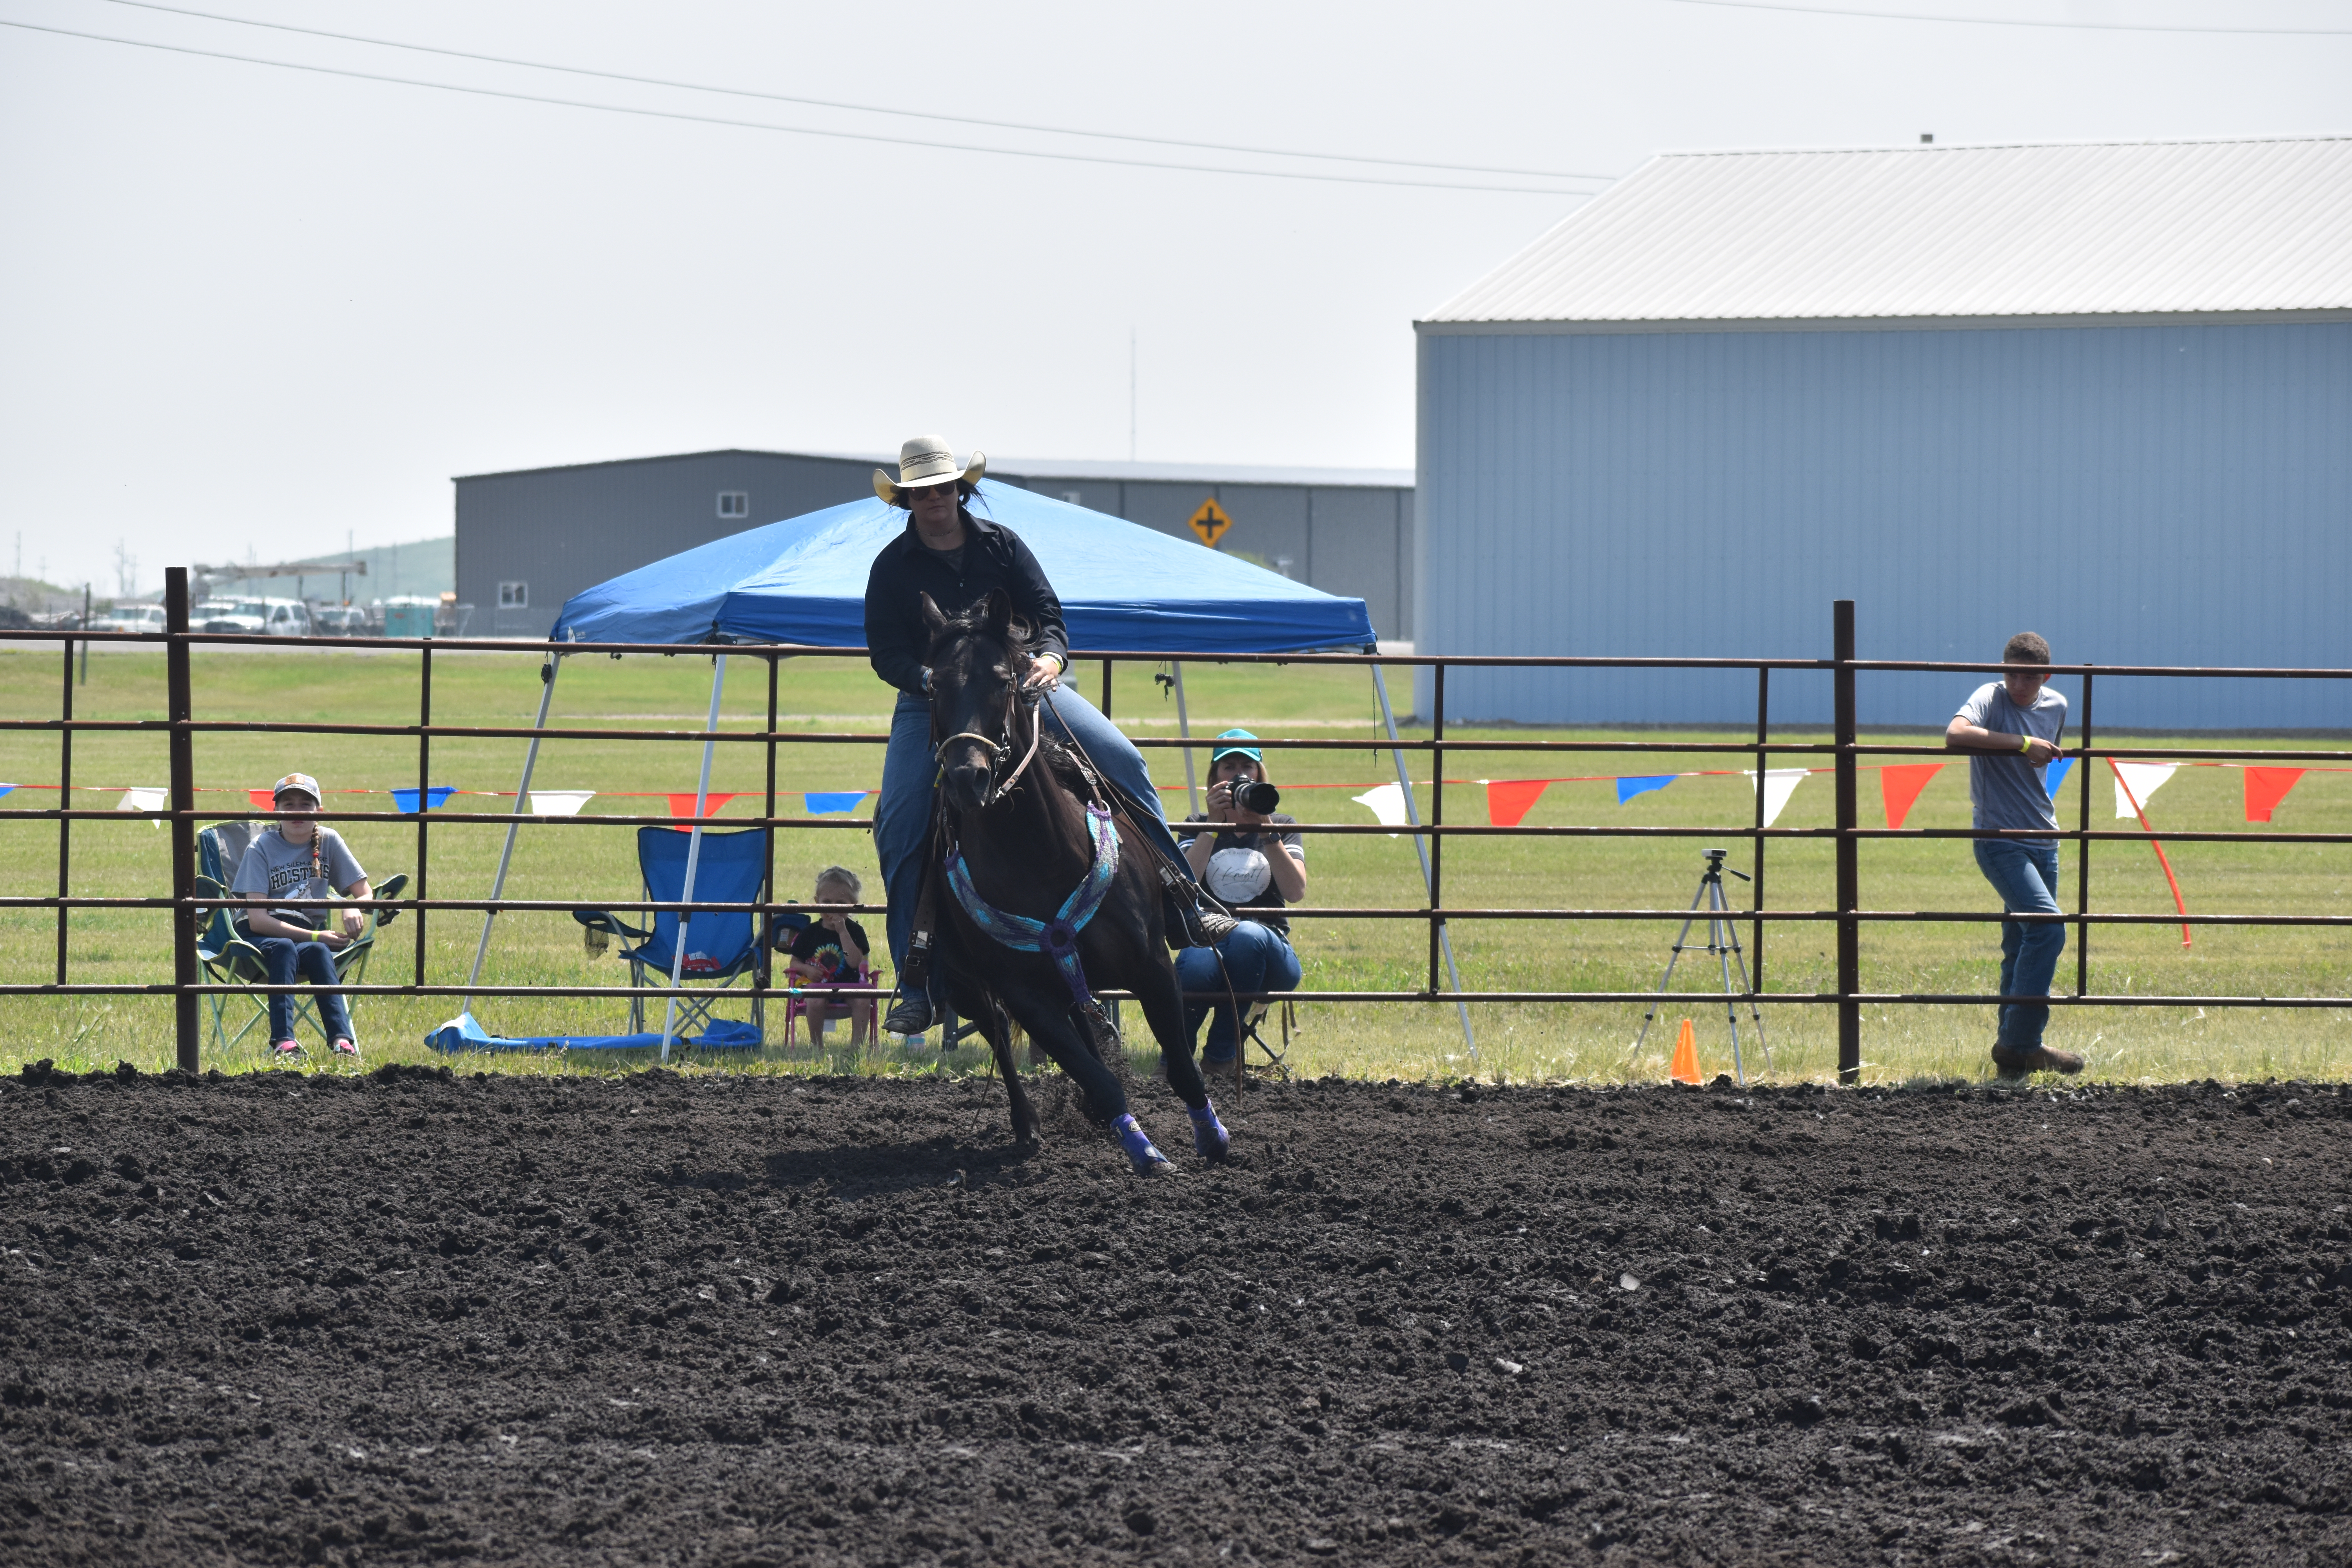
point(2103, 393)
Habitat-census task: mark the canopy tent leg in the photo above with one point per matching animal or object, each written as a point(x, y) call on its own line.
point(1420, 848)
point(505, 855)
point(1184, 731)
point(694, 853)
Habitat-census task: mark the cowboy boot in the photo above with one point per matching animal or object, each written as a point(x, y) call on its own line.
point(1192, 915)
point(911, 1012)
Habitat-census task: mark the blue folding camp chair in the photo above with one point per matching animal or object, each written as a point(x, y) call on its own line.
point(719, 949)
point(224, 948)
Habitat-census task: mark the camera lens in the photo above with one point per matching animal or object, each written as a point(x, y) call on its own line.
point(1257, 796)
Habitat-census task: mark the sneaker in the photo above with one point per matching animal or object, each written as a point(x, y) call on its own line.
point(346, 1047)
point(285, 1049)
point(2014, 1063)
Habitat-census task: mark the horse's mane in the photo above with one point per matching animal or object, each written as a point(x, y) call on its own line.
point(971, 621)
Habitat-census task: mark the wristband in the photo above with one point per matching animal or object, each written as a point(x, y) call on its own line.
point(2025, 744)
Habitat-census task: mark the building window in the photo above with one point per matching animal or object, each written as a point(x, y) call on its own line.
point(734, 503)
point(514, 595)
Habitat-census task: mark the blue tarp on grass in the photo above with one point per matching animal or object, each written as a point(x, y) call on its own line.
point(1122, 585)
point(462, 1033)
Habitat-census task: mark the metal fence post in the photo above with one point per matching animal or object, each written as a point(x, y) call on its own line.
point(2083, 858)
point(424, 794)
point(183, 816)
point(1437, 818)
point(762, 971)
point(1756, 887)
point(1849, 867)
point(65, 804)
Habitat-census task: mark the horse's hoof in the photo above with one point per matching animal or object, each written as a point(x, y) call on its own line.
point(1142, 1155)
point(1210, 1138)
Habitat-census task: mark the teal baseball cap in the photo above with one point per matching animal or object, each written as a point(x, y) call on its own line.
point(1226, 748)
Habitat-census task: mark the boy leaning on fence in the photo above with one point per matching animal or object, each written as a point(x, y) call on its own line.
point(2012, 725)
point(300, 858)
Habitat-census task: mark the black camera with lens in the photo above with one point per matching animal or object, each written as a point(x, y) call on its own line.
point(1257, 796)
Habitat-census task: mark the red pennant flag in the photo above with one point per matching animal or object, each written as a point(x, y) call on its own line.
point(1509, 801)
point(2266, 787)
point(683, 805)
point(1900, 787)
point(262, 799)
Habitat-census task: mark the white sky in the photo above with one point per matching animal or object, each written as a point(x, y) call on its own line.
point(247, 307)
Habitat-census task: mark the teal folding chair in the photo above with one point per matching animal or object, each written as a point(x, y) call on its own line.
point(225, 949)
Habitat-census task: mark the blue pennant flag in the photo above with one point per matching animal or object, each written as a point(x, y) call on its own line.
point(5, 788)
point(1627, 788)
point(406, 799)
point(826, 804)
point(2055, 774)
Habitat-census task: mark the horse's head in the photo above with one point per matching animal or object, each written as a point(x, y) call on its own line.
point(977, 660)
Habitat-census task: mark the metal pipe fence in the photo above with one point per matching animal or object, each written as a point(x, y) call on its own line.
point(1847, 835)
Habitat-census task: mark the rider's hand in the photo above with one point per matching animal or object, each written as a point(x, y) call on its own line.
point(1045, 673)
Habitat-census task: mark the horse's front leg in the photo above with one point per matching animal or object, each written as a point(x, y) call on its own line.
point(1163, 1001)
point(1028, 1127)
point(1050, 1022)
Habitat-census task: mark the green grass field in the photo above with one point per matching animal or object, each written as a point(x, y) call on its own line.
point(1580, 1041)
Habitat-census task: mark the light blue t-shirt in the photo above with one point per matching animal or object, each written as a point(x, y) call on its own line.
point(2007, 791)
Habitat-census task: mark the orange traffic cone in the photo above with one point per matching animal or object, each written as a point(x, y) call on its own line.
point(1686, 1067)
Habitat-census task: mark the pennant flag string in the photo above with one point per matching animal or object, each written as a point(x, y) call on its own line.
point(828, 804)
point(1779, 785)
point(1900, 787)
point(1386, 802)
point(560, 802)
point(406, 799)
point(1509, 801)
point(2266, 787)
point(2161, 860)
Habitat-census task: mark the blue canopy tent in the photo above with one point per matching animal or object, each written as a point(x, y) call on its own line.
point(803, 581)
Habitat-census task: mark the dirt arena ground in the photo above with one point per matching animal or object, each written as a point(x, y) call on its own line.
point(405, 1317)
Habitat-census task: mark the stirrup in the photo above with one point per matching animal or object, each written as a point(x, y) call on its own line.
point(910, 1014)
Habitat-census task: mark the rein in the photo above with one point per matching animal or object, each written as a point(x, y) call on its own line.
point(997, 751)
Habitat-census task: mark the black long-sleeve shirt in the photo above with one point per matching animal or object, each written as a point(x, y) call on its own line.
point(992, 557)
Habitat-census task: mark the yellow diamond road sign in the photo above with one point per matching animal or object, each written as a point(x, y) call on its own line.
point(1210, 523)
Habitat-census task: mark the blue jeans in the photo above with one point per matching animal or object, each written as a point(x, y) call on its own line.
point(1257, 957)
point(285, 957)
point(902, 818)
point(2026, 878)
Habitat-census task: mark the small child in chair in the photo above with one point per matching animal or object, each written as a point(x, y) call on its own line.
point(831, 952)
point(301, 858)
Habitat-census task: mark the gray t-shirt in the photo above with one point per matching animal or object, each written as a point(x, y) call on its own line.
point(278, 870)
point(2007, 791)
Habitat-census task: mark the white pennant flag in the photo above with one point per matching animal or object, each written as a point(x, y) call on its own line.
point(560, 802)
point(145, 800)
point(2145, 779)
point(1387, 803)
point(1779, 784)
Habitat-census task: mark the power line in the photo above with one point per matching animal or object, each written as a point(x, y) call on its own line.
point(795, 130)
point(855, 107)
point(2005, 22)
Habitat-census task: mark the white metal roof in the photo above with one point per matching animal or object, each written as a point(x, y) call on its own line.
point(2048, 230)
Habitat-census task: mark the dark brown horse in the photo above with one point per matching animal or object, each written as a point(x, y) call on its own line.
point(1029, 876)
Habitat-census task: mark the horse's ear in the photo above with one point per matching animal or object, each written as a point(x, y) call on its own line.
point(996, 614)
point(933, 621)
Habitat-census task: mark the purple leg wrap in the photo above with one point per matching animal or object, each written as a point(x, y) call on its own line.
point(1140, 1153)
point(1210, 1138)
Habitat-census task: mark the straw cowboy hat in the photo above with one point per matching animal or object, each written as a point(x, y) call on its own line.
point(923, 461)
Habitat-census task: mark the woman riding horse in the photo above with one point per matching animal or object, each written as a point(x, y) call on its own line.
point(956, 558)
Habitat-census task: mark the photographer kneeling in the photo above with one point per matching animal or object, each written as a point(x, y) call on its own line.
point(1254, 863)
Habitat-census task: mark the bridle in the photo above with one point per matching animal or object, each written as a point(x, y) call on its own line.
point(998, 750)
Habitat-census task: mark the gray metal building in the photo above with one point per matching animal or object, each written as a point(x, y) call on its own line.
point(2103, 392)
point(529, 540)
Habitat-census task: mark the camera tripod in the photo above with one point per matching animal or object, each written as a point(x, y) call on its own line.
point(1723, 941)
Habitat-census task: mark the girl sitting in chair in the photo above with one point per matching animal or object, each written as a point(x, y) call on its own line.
point(831, 951)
